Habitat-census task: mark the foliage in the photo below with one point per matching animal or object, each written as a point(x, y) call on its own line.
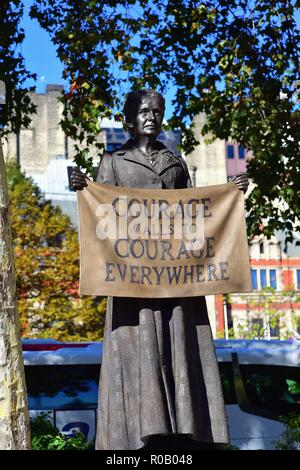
point(13, 73)
point(231, 447)
point(296, 321)
point(290, 439)
point(47, 268)
point(268, 305)
point(237, 61)
point(45, 436)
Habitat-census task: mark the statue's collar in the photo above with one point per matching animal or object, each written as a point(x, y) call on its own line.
point(163, 161)
point(129, 146)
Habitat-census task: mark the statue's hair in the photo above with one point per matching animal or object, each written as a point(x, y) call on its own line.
point(133, 100)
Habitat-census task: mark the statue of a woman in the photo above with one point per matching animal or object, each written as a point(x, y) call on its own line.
point(159, 382)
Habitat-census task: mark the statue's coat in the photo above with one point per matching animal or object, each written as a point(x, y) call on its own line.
point(159, 370)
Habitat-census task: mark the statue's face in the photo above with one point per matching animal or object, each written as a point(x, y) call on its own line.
point(149, 118)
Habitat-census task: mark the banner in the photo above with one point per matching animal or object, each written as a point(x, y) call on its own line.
point(162, 243)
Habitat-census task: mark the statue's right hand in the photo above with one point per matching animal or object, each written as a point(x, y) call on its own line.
point(78, 180)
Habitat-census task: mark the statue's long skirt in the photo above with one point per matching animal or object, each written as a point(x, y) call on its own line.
point(159, 374)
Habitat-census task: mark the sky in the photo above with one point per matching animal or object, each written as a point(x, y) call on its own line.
point(39, 53)
point(40, 57)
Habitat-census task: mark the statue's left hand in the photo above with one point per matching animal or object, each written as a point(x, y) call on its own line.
point(241, 181)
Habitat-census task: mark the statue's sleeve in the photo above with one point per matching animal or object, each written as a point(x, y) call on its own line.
point(106, 174)
point(188, 178)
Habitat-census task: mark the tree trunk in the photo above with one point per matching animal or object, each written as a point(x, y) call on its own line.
point(14, 419)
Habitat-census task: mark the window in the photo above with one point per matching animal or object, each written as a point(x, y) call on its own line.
point(273, 280)
point(120, 138)
point(109, 136)
point(298, 279)
point(226, 375)
point(274, 328)
point(258, 327)
point(64, 387)
point(241, 153)
point(254, 279)
point(261, 248)
point(111, 147)
point(263, 278)
point(276, 388)
point(230, 151)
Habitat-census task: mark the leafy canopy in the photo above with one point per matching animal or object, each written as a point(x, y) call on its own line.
point(237, 61)
point(47, 268)
point(13, 72)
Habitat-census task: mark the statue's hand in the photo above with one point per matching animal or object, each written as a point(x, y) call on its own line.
point(241, 181)
point(78, 180)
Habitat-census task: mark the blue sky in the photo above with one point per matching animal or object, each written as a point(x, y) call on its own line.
point(40, 57)
point(39, 52)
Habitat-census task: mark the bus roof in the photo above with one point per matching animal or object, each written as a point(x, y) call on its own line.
point(276, 352)
point(52, 352)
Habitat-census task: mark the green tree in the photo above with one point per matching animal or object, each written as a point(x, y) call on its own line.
point(238, 61)
point(47, 268)
point(18, 108)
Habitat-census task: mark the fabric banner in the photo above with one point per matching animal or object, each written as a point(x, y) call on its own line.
point(162, 243)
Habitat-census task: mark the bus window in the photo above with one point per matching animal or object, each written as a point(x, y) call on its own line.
point(62, 387)
point(276, 388)
point(226, 374)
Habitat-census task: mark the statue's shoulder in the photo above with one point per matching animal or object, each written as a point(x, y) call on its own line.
point(127, 147)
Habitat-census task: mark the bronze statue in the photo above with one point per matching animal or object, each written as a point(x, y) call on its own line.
point(159, 383)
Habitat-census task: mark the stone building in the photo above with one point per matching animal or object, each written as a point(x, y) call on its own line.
point(44, 152)
point(207, 162)
point(43, 141)
point(36, 146)
point(217, 162)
